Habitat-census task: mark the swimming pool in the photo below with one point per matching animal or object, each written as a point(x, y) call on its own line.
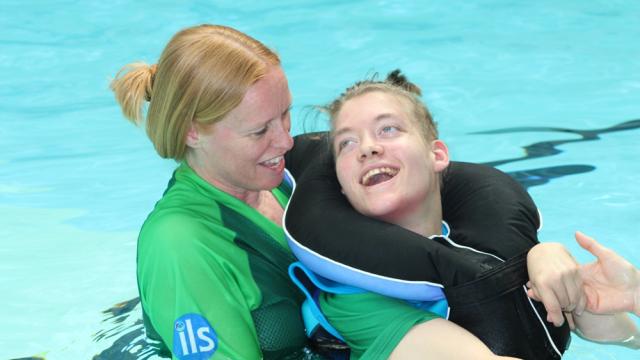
point(77, 181)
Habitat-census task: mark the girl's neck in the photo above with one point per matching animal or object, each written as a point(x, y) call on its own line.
point(424, 225)
point(425, 220)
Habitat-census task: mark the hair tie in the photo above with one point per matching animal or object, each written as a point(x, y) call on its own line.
point(152, 72)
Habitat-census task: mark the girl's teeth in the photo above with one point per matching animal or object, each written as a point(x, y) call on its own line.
point(385, 170)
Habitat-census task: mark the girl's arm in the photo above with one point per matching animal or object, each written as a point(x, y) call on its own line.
point(441, 339)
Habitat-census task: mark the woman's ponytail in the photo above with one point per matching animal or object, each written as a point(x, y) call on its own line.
point(133, 86)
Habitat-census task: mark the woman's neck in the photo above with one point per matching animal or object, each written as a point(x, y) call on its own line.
point(270, 208)
point(251, 197)
point(261, 200)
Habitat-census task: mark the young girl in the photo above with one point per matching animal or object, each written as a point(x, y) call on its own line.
point(389, 163)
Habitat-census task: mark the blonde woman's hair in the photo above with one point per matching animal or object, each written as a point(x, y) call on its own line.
point(202, 74)
point(395, 84)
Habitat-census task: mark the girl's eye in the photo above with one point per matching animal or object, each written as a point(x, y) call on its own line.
point(388, 130)
point(344, 143)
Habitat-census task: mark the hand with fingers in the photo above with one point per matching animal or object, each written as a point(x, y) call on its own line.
point(612, 284)
point(555, 280)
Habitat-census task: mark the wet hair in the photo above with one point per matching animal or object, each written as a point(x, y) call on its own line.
point(202, 74)
point(395, 84)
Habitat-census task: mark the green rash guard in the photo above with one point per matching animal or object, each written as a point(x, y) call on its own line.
point(212, 276)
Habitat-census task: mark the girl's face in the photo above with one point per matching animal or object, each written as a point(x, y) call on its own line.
point(386, 168)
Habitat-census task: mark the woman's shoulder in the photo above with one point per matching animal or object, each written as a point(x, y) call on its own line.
point(181, 231)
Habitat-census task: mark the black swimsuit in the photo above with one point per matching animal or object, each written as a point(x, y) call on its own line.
point(487, 211)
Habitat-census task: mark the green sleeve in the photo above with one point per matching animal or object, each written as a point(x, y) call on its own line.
point(371, 324)
point(191, 271)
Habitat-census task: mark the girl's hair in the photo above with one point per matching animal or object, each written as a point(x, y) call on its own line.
point(202, 74)
point(397, 85)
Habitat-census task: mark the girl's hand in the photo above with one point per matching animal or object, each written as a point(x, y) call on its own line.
point(555, 281)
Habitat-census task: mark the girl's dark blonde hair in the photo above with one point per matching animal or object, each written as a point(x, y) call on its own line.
point(202, 74)
point(397, 85)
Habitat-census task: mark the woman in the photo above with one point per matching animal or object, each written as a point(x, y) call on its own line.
point(388, 163)
point(211, 255)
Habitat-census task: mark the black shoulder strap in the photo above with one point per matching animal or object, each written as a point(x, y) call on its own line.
point(488, 210)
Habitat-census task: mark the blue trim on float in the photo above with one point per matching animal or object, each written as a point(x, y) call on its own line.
point(312, 315)
point(311, 285)
point(288, 179)
point(322, 283)
point(310, 319)
point(397, 288)
point(440, 307)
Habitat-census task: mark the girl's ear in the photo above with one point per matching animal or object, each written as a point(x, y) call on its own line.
point(441, 155)
point(193, 136)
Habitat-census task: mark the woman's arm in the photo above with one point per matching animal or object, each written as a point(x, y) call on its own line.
point(612, 284)
point(615, 329)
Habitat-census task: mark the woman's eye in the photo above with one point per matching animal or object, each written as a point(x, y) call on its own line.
point(260, 132)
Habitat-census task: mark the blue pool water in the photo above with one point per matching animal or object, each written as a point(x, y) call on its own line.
point(76, 180)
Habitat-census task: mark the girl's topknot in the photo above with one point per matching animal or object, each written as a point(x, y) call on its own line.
point(397, 78)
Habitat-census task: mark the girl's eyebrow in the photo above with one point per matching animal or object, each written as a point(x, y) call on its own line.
point(341, 131)
point(378, 118)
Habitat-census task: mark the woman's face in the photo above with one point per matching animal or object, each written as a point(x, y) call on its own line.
point(244, 151)
point(385, 166)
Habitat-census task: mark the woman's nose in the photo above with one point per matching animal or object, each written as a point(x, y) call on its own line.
point(282, 138)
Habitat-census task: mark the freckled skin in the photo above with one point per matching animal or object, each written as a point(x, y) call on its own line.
point(254, 132)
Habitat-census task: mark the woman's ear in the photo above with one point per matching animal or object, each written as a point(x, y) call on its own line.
point(441, 155)
point(193, 136)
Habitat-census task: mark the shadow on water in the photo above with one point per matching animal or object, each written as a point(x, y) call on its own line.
point(534, 177)
point(126, 326)
point(124, 320)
